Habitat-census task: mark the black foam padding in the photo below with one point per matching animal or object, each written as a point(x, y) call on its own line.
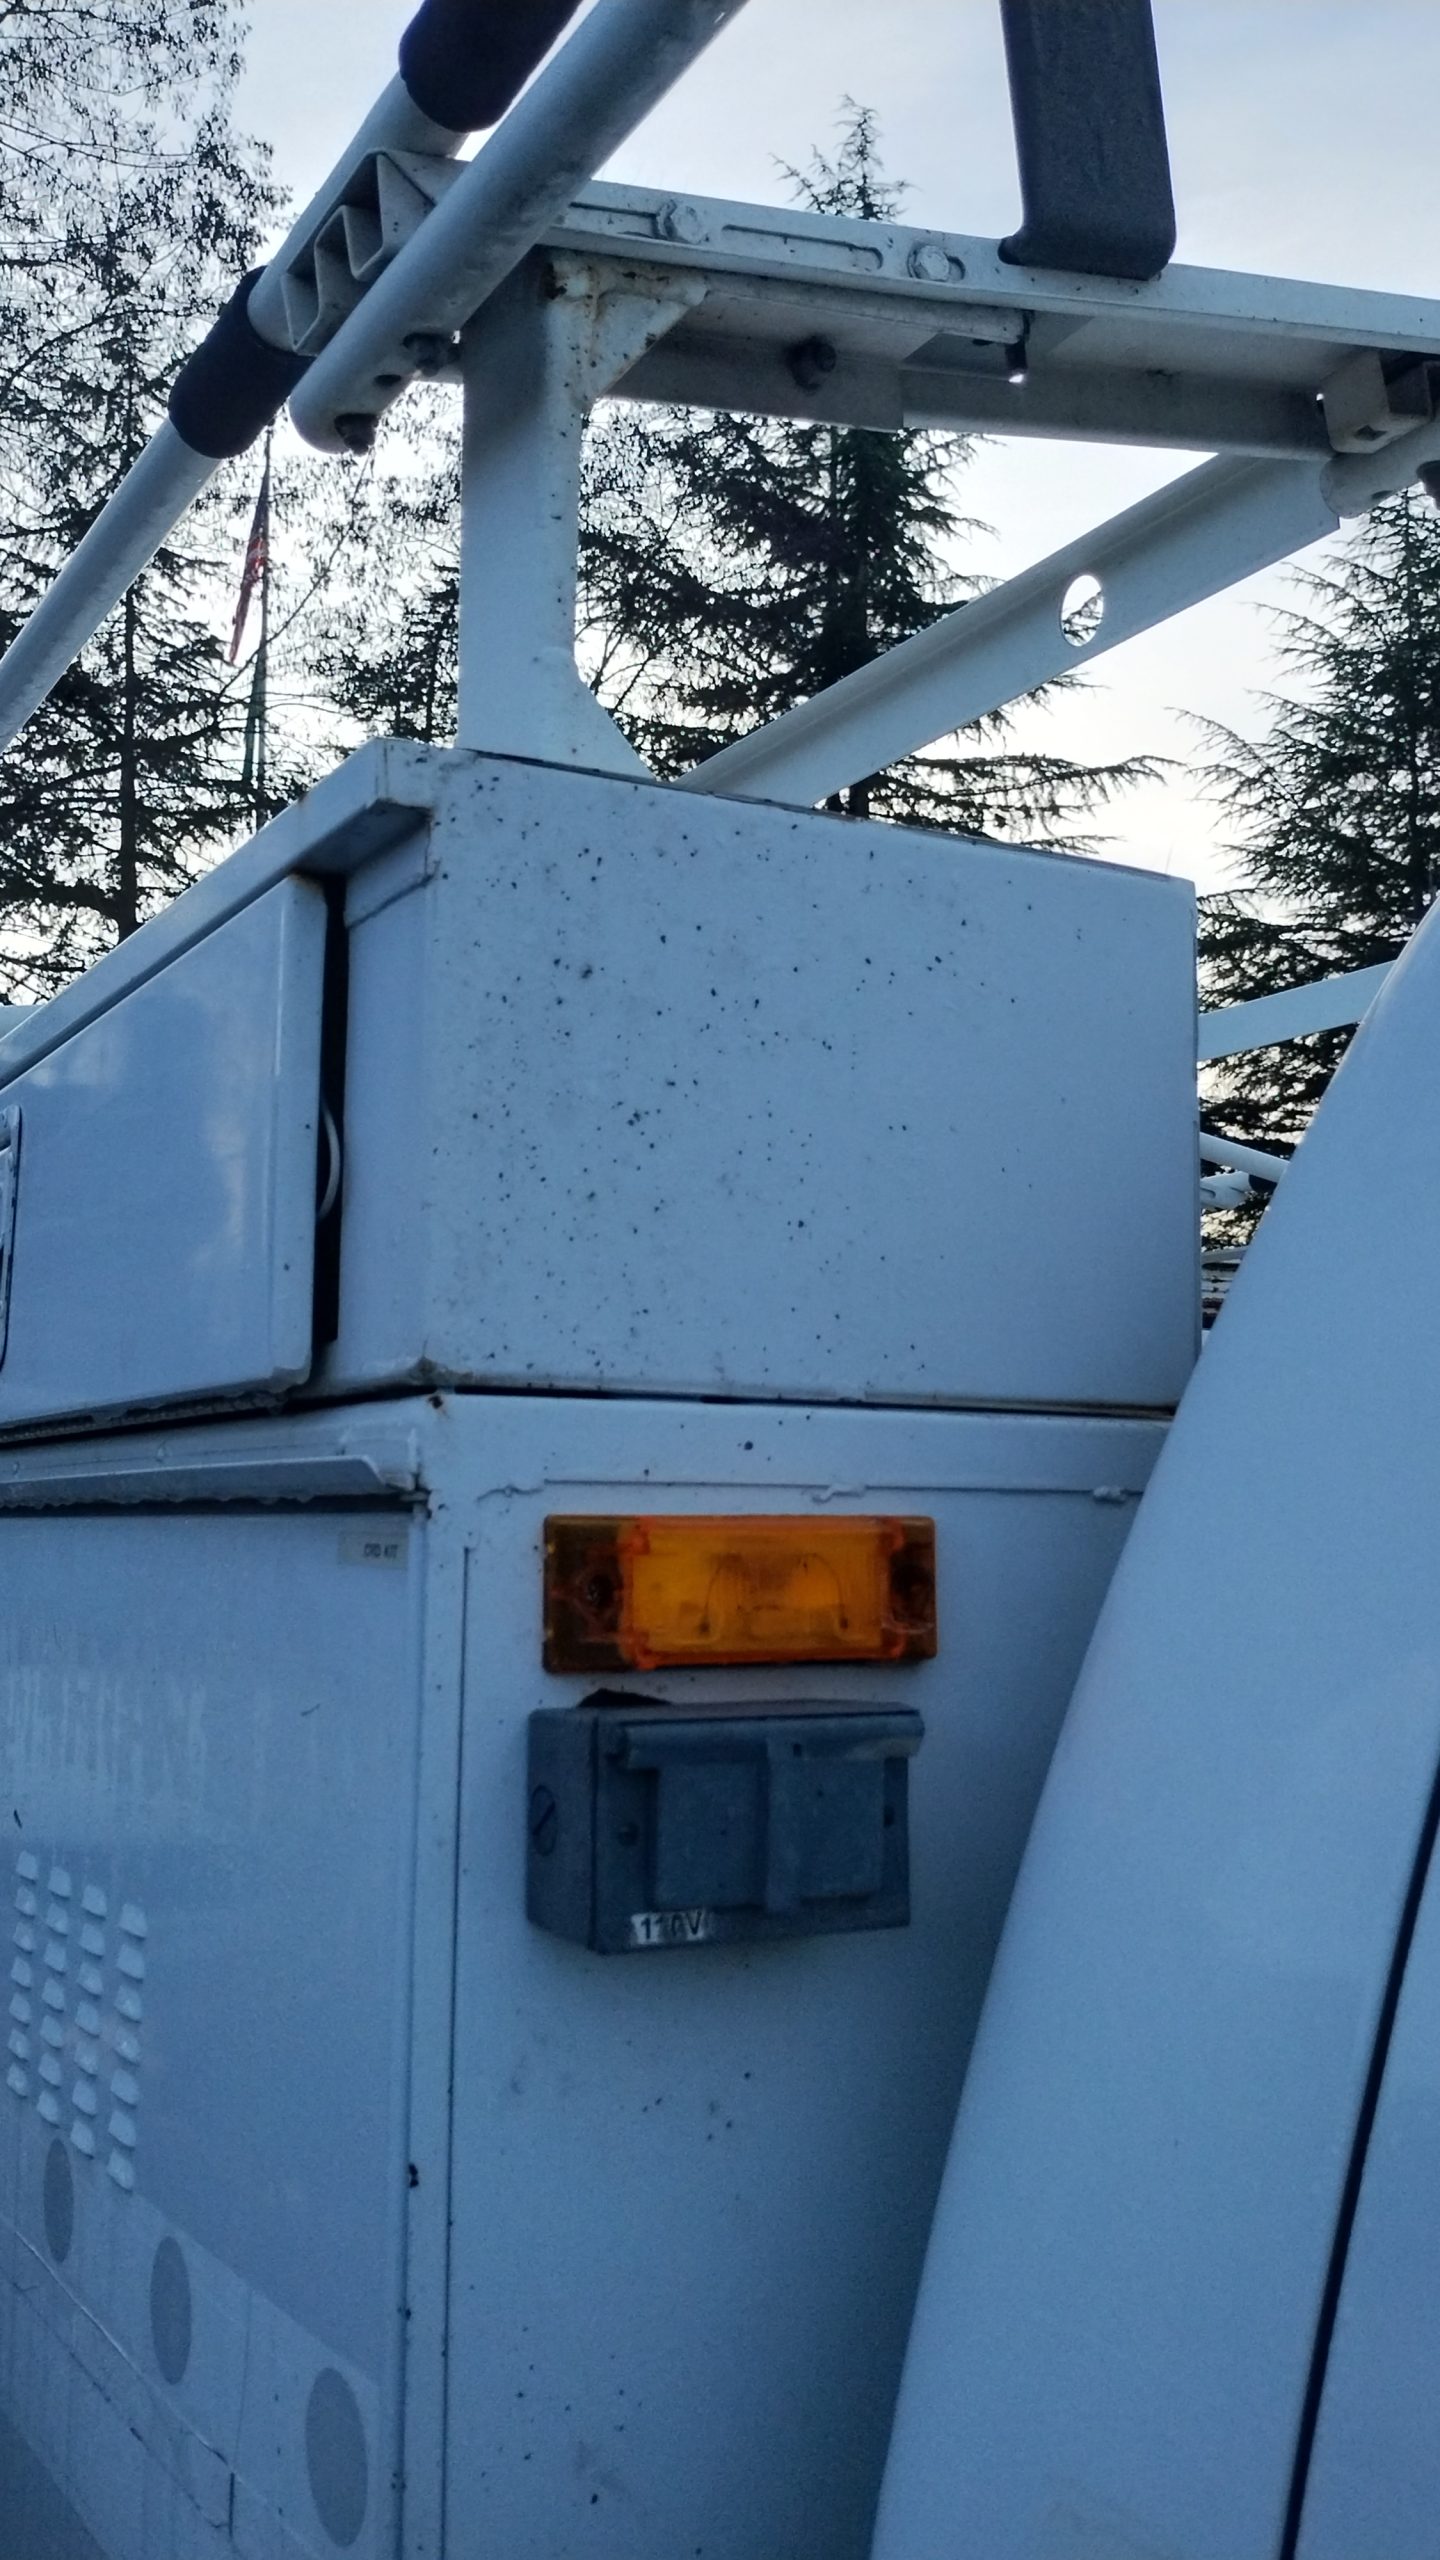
point(1090, 135)
point(463, 61)
point(227, 392)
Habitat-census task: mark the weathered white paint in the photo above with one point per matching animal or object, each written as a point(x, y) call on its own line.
point(305, 1773)
point(1115, 2335)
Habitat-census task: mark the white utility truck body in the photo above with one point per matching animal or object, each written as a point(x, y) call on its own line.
point(323, 2167)
point(577, 1355)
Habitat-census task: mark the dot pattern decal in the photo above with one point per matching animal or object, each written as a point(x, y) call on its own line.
point(75, 2011)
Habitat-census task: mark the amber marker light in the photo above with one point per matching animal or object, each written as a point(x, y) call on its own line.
point(641, 1594)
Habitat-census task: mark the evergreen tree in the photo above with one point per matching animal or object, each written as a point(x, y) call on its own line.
point(127, 207)
point(729, 568)
point(388, 657)
point(1334, 812)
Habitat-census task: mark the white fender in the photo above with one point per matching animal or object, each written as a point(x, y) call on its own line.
point(1113, 2351)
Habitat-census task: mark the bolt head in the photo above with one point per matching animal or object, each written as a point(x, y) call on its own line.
point(681, 222)
point(356, 430)
point(430, 349)
point(929, 263)
point(811, 361)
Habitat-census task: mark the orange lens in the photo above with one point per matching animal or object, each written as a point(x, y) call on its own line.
point(637, 1594)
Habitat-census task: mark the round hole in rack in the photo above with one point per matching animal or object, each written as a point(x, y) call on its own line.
point(1082, 610)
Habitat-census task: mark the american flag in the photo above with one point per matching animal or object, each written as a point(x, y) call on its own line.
point(257, 553)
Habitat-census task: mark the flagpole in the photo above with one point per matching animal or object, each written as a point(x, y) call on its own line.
point(262, 663)
point(256, 572)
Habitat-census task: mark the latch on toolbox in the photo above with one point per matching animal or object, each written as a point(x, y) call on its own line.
point(653, 1828)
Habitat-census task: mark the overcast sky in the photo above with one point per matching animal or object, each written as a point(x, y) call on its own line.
point(1303, 140)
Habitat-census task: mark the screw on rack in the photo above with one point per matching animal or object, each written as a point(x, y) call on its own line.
point(681, 222)
point(356, 430)
point(930, 262)
point(811, 361)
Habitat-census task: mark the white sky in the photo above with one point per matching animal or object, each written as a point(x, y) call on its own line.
point(1303, 140)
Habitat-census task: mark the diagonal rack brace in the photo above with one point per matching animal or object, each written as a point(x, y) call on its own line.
point(1203, 533)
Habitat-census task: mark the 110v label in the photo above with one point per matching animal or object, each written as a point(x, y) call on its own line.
point(671, 1928)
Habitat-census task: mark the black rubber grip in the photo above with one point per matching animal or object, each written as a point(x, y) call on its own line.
point(1090, 135)
point(227, 392)
point(463, 61)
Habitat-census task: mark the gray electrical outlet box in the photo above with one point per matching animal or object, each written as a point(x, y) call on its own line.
point(651, 1827)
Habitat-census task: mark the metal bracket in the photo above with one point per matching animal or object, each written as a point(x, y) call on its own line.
point(548, 345)
point(1368, 404)
point(935, 329)
point(385, 203)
